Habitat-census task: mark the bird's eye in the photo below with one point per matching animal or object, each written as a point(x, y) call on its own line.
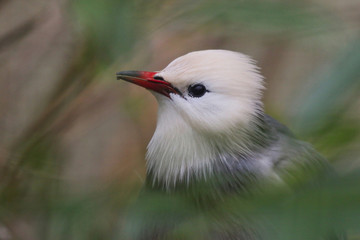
point(159, 78)
point(197, 90)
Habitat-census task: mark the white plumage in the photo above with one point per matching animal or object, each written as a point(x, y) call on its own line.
point(190, 132)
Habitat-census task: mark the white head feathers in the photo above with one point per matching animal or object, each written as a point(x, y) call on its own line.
point(233, 82)
point(192, 130)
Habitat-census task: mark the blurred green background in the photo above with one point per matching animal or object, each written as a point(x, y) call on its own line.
point(73, 139)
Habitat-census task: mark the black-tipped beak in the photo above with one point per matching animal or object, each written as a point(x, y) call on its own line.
point(146, 80)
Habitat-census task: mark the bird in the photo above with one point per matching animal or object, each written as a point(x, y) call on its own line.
point(213, 139)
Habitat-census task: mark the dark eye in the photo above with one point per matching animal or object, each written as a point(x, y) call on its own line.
point(197, 90)
point(159, 78)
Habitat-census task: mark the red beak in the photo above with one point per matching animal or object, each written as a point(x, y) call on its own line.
point(147, 80)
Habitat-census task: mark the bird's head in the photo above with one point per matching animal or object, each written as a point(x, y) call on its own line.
point(213, 91)
point(208, 101)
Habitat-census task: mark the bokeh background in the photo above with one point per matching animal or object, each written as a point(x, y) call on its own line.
point(73, 139)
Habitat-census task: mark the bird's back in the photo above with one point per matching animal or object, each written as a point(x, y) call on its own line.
point(290, 155)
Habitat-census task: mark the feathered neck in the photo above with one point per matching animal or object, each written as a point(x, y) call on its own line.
point(178, 154)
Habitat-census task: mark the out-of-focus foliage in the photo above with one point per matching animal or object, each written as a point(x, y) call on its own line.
point(315, 210)
point(72, 139)
point(111, 27)
point(287, 19)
